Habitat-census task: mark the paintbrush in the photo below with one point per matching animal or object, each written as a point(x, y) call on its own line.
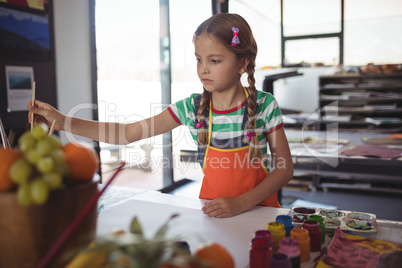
point(4, 138)
point(52, 128)
point(33, 103)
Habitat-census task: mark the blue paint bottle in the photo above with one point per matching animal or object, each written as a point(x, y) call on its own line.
point(287, 222)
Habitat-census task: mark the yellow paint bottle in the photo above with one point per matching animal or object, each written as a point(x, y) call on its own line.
point(278, 232)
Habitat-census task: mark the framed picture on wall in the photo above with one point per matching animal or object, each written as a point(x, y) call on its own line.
point(19, 80)
point(37, 4)
point(24, 35)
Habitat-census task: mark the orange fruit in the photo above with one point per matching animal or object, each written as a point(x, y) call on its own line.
point(7, 159)
point(82, 161)
point(214, 255)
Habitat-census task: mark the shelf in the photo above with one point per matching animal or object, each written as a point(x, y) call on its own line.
point(360, 88)
point(373, 105)
point(361, 97)
point(362, 76)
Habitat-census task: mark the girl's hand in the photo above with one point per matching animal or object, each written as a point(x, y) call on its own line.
point(45, 113)
point(224, 207)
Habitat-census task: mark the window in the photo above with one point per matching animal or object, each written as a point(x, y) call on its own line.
point(185, 16)
point(319, 51)
point(305, 27)
point(127, 41)
point(264, 19)
point(373, 35)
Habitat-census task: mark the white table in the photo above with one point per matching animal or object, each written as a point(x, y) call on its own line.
point(153, 208)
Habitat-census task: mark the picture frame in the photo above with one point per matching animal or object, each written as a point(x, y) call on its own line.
point(24, 35)
point(19, 81)
point(35, 4)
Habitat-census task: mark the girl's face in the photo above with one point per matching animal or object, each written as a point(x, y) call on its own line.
point(217, 67)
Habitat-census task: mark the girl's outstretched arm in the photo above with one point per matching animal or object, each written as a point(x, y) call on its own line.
point(230, 206)
point(114, 133)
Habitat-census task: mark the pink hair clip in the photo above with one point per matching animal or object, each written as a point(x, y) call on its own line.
point(250, 135)
point(200, 124)
point(235, 39)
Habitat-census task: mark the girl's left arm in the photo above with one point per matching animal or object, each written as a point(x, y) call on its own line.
point(282, 173)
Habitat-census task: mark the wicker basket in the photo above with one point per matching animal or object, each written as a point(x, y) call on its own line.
point(27, 234)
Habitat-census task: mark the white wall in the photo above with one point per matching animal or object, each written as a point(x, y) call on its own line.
point(73, 68)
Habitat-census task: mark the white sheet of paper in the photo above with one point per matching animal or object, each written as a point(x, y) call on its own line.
point(19, 80)
point(192, 225)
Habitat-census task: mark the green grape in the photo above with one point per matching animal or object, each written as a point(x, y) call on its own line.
point(25, 135)
point(26, 142)
point(53, 179)
point(45, 164)
point(39, 191)
point(43, 146)
point(55, 142)
point(24, 195)
point(20, 171)
point(58, 157)
point(39, 131)
point(62, 169)
point(32, 156)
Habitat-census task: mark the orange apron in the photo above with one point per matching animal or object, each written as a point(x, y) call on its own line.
point(229, 173)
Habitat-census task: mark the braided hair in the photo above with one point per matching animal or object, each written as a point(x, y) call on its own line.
point(220, 26)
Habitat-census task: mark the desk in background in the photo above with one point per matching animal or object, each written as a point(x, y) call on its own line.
point(330, 169)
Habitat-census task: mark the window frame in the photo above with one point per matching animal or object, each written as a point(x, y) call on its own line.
point(339, 35)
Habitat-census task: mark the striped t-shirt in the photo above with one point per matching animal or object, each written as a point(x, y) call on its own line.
point(228, 124)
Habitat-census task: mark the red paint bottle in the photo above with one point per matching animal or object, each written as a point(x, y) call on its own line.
point(314, 231)
point(267, 234)
point(260, 252)
point(322, 225)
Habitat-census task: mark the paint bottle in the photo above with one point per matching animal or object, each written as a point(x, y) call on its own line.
point(302, 236)
point(314, 231)
point(290, 247)
point(287, 222)
point(322, 225)
point(268, 235)
point(261, 249)
point(269, 242)
point(280, 260)
point(183, 245)
point(278, 232)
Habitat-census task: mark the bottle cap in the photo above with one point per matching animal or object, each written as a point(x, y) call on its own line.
point(265, 235)
point(259, 242)
point(262, 233)
point(315, 218)
point(285, 219)
point(280, 260)
point(289, 246)
point(300, 234)
point(312, 226)
point(276, 227)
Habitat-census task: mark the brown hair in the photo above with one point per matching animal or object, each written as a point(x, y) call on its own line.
point(220, 27)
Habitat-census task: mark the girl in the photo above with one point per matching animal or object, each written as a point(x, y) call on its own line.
point(232, 125)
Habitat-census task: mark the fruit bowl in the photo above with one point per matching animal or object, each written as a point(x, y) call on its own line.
point(27, 233)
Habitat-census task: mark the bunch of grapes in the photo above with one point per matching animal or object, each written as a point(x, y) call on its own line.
point(42, 167)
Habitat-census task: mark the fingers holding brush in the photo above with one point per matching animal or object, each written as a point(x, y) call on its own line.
point(41, 112)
